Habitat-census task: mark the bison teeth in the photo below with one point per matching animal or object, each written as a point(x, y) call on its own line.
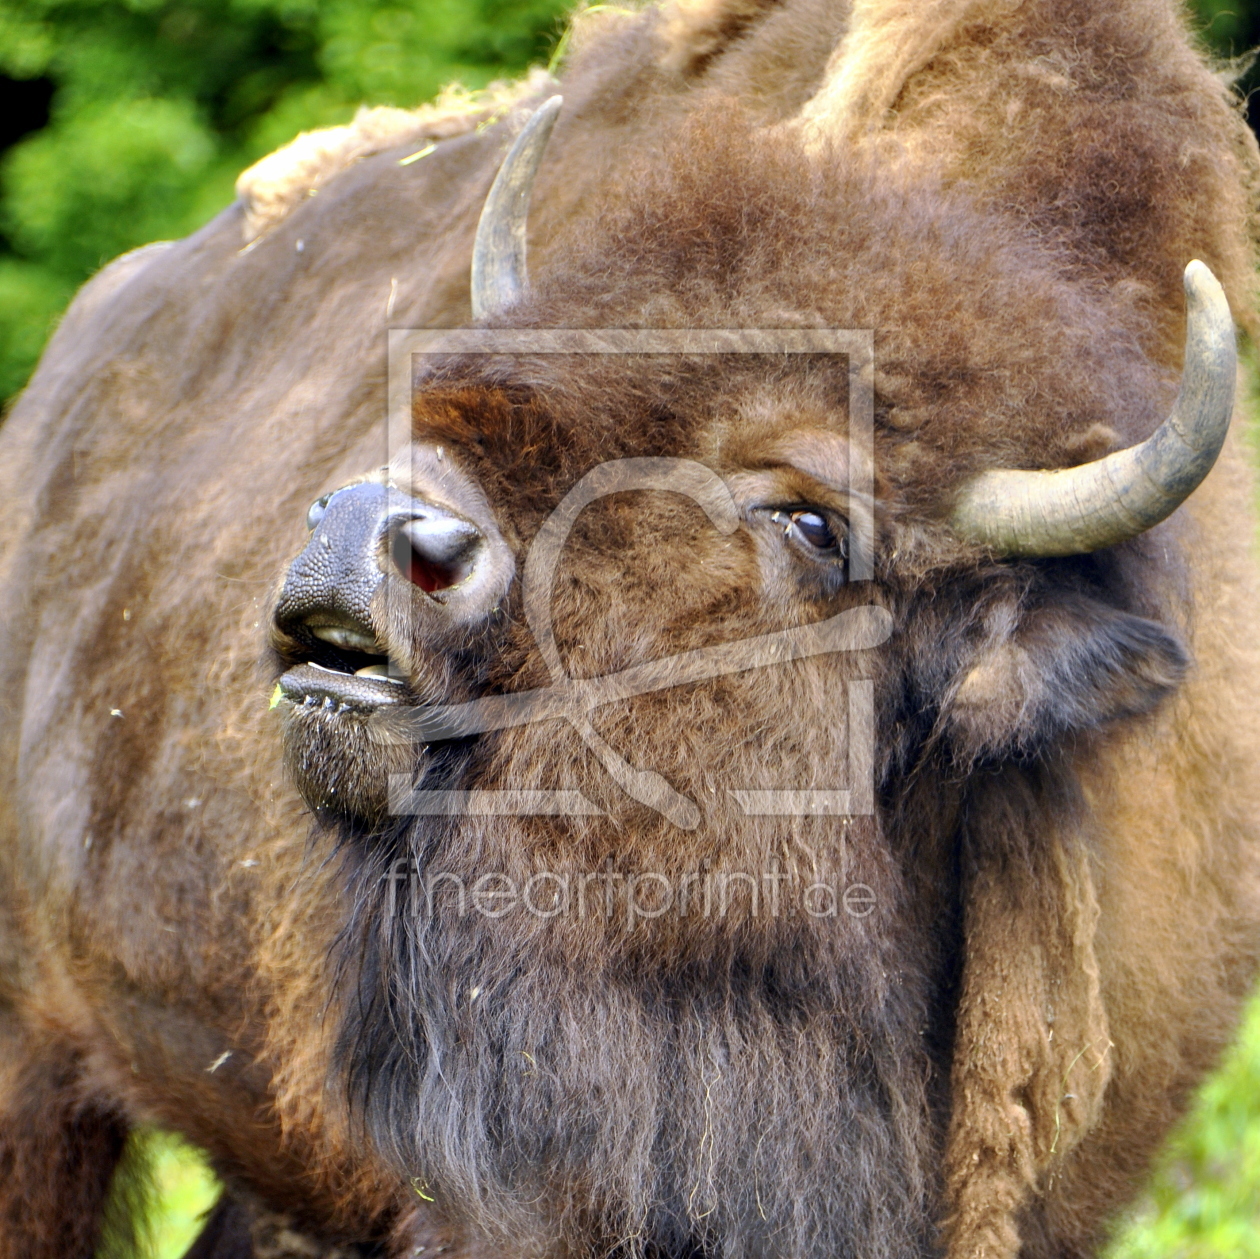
point(377, 671)
point(348, 639)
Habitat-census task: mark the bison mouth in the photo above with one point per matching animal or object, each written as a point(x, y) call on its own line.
point(346, 670)
point(338, 685)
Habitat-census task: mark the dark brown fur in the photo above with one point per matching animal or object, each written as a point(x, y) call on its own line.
point(1062, 855)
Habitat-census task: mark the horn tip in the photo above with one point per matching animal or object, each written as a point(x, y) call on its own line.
point(1201, 283)
point(549, 111)
point(498, 273)
point(543, 118)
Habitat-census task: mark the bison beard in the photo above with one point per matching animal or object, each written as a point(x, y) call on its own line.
point(739, 1103)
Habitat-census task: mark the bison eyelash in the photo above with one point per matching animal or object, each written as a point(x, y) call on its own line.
point(797, 527)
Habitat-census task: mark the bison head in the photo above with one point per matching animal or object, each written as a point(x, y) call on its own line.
point(659, 768)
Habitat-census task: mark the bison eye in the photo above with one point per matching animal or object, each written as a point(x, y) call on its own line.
point(811, 530)
point(814, 529)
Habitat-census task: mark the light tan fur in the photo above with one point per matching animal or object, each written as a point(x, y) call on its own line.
point(275, 184)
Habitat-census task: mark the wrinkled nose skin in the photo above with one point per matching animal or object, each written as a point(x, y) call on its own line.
point(340, 570)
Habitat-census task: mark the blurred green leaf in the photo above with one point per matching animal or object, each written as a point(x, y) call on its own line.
point(26, 44)
point(1224, 22)
point(104, 180)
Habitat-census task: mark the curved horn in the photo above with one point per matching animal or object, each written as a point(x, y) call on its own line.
point(499, 277)
point(1076, 510)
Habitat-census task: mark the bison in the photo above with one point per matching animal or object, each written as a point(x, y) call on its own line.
point(785, 787)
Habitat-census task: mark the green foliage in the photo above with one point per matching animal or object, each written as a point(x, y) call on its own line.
point(186, 1188)
point(1228, 24)
point(157, 105)
point(158, 1200)
point(380, 52)
point(1204, 1201)
point(128, 171)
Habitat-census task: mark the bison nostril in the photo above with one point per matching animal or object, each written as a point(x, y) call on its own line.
point(435, 552)
point(315, 513)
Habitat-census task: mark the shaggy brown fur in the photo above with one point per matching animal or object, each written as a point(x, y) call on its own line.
point(1062, 855)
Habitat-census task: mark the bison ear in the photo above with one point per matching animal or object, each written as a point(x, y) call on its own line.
point(1045, 672)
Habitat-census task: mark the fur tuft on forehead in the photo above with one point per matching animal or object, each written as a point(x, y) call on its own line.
point(987, 352)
